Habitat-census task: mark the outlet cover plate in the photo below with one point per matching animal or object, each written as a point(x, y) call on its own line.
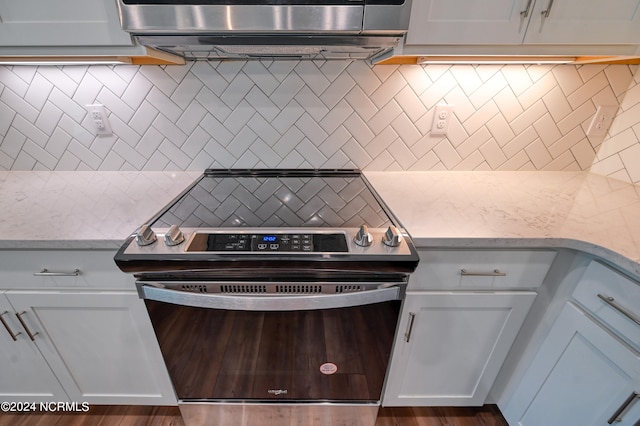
point(602, 120)
point(441, 119)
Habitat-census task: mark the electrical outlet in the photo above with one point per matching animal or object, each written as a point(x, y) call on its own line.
point(441, 119)
point(602, 120)
point(100, 119)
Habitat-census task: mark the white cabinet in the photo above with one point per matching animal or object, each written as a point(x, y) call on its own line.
point(61, 23)
point(588, 366)
point(452, 345)
point(24, 372)
point(581, 376)
point(463, 310)
point(82, 337)
point(96, 344)
point(524, 21)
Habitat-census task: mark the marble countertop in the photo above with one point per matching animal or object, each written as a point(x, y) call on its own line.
point(577, 210)
point(58, 210)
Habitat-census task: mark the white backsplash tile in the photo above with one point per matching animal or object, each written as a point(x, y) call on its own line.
point(619, 154)
point(319, 114)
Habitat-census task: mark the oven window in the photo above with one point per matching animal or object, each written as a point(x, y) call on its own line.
point(334, 354)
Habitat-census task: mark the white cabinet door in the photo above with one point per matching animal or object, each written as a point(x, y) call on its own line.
point(524, 21)
point(61, 23)
point(465, 22)
point(580, 376)
point(24, 374)
point(100, 345)
point(584, 22)
point(451, 346)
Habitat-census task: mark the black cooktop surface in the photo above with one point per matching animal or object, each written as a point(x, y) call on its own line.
point(278, 198)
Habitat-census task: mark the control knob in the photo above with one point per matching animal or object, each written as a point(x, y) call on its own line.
point(145, 236)
point(363, 238)
point(174, 236)
point(392, 237)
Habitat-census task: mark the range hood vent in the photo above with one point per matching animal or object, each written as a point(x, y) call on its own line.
point(289, 47)
point(267, 29)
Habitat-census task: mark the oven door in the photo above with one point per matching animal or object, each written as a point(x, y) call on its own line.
point(292, 348)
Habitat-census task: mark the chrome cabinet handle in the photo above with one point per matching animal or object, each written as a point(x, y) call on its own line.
point(545, 13)
point(525, 12)
point(267, 303)
point(612, 302)
point(616, 416)
point(24, 325)
point(407, 335)
point(47, 273)
point(13, 335)
point(494, 273)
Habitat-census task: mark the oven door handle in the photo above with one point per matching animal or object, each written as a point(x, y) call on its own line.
point(268, 303)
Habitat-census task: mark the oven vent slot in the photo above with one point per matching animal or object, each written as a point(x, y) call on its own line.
point(348, 288)
point(298, 288)
point(243, 288)
point(195, 288)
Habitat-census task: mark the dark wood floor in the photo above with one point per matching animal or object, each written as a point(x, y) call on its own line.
point(489, 415)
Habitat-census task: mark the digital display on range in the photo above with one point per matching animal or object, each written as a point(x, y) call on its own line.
point(301, 243)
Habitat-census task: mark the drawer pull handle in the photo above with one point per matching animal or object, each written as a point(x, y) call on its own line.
point(47, 273)
point(407, 335)
point(616, 416)
point(494, 273)
point(11, 333)
point(545, 13)
point(525, 13)
point(24, 325)
point(612, 302)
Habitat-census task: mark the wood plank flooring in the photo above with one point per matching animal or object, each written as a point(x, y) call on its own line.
point(489, 415)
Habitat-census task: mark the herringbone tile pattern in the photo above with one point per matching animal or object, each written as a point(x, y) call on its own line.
point(304, 114)
point(619, 156)
point(277, 201)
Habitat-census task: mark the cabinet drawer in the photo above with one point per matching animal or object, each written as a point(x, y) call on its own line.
point(481, 269)
point(24, 269)
point(613, 299)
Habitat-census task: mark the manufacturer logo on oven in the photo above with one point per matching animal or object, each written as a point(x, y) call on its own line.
point(277, 391)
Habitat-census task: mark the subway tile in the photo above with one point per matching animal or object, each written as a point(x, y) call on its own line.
point(38, 92)
point(447, 154)
point(318, 114)
point(583, 153)
point(354, 151)
point(500, 129)
point(261, 76)
point(410, 103)
point(404, 127)
point(631, 159)
point(48, 119)
point(480, 117)
point(336, 116)
point(18, 105)
point(287, 90)
point(335, 93)
point(137, 91)
point(538, 154)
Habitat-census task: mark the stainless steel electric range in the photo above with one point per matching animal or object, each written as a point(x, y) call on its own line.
point(274, 295)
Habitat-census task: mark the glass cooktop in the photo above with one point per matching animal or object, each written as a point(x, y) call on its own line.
point(293, 198)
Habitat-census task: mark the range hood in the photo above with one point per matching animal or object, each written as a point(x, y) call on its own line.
point(267, 29)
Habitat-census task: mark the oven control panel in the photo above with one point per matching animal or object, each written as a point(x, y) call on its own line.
point(222, 242)
point(294, 241)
